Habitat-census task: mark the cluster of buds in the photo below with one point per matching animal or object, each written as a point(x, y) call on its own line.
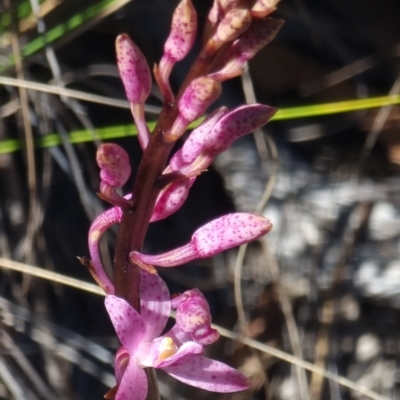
point(234, 32)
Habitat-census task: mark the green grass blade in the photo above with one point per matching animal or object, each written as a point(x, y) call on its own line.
point(114, 132)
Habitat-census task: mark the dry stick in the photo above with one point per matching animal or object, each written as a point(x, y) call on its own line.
point(56, 72)
point(262, 146)
point(25, 365)
point(91, 288)
point(350, 70)
point(356, 224)
point(377, 126)
point(30, 148)
point(75, 94)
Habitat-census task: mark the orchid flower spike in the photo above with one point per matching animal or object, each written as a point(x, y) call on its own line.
point(136, 77)
point(115, 170)
point(175, 352)
point(178, 44)
point(221, 234)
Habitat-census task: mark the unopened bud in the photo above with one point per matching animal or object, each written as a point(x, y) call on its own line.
point(246, 47)
point(177, 46)
point(171, 199)
point(195, 142)
point(228, 5)
point(234, 24)
point(221, 234)
point(133, 68)
point(260, 33)
point(262, 8)
point(198, 97)
point(183, 31)
point(115, 168)
point(223, 133)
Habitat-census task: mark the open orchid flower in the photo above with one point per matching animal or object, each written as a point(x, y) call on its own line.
point(174, 352)
point(221, 234)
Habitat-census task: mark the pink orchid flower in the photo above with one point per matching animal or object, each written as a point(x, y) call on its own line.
point(174, 352)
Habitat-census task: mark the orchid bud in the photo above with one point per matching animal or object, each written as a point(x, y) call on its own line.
point(193, 317)
point(262, 8)
point(235, 22)
point(223, 133)
point(194, 102)
point(136, 77)
point(183, 31)
point(246, 47)
point(223, 233)
point(228, 5)
point(134, 71)
point(171, 199)
point(115, 170)
point(178, 44)
point(114, 164)
point(194, 143)
point(261, 33)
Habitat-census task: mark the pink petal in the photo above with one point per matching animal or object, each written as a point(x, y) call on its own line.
point(129, 325)
point(171, 199)
point(208, 374)
point(197, 97)
point(229, 231)
point(183, 31)
point(194, 143)
point(187, 350)
point(155, 303)
point(133, 384)
point(240, 121)
point(133, 68)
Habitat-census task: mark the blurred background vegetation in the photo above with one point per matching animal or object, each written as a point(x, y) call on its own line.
point(324, 285)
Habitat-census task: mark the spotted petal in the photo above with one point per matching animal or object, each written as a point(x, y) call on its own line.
point(129, 325)
point(133, 384)
point(155, 303)
point(208, 374)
